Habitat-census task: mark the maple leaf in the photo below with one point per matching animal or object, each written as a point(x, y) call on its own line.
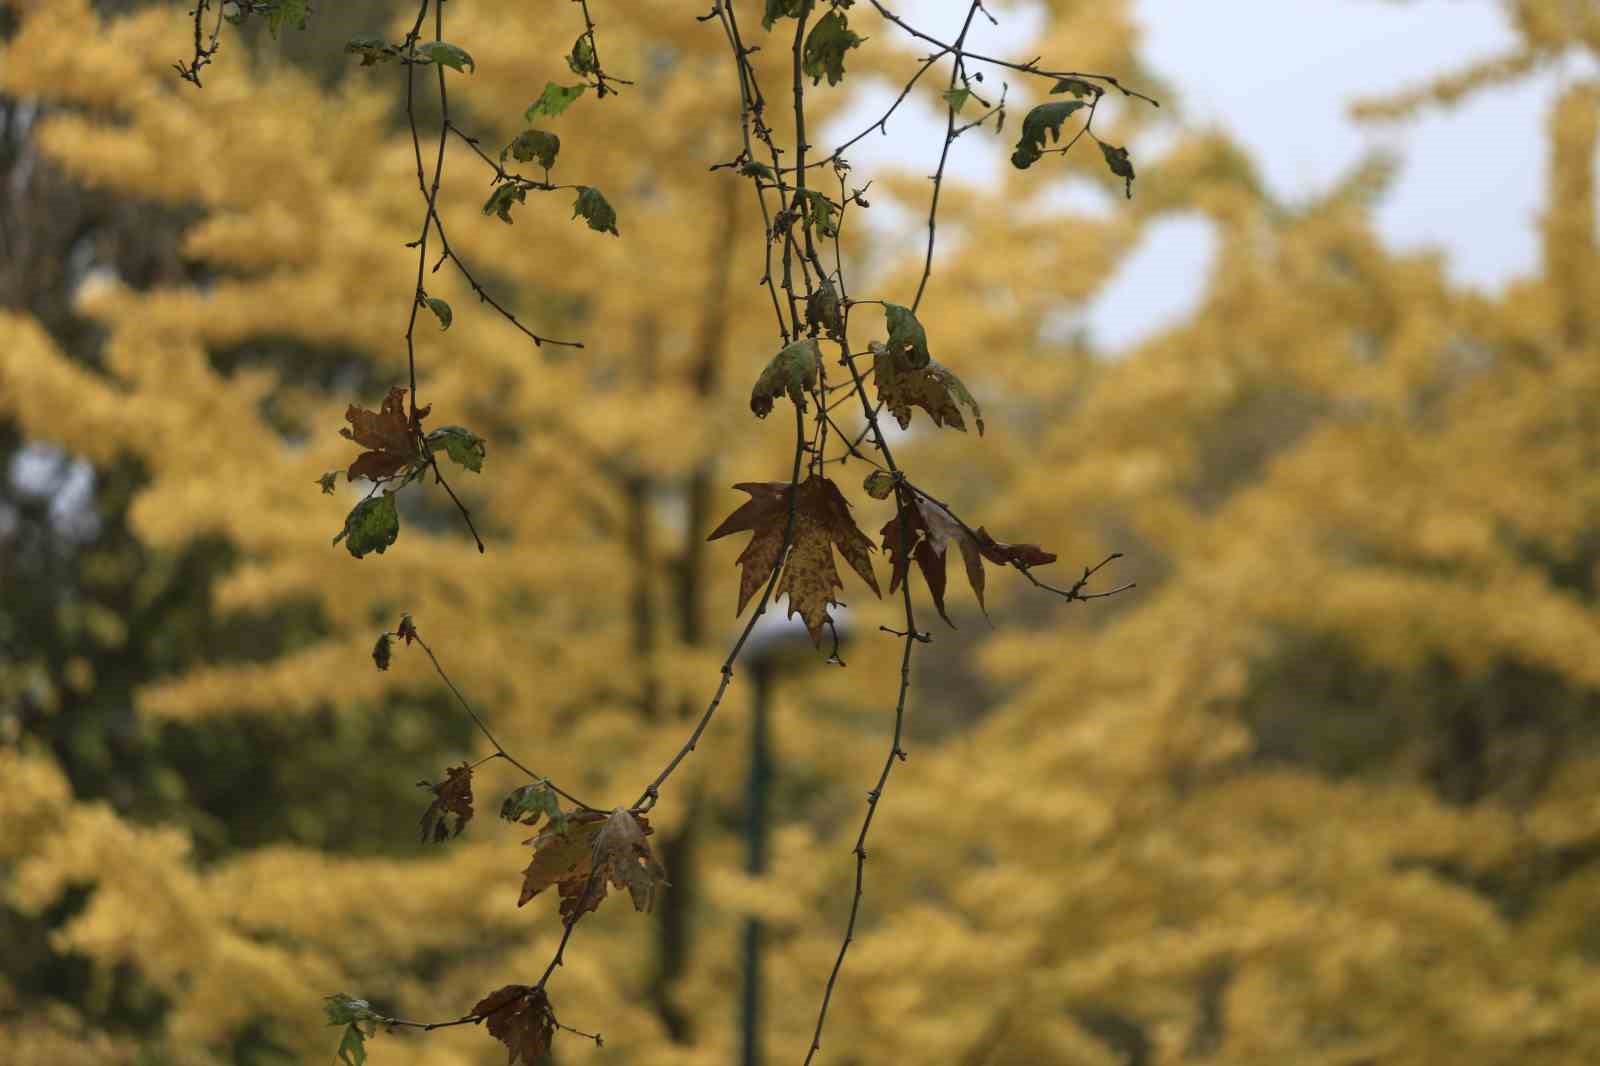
point(562, 855)
point(520, 1017)
point(929, 532)
point(451, 808)
point(932, 387)
point(387, 433)
point(822, 523)
point(592, 851)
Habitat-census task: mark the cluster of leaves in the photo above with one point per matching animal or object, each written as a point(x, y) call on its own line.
point(397, 452)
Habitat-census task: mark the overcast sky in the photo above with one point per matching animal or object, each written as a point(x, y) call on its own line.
point(1278, 74)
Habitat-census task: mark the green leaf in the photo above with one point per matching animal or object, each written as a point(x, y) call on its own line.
point(819, 210)
point(371, 48)
point(380, 652)
point(554, 100)
point(593, 206)
point(1041, 121)
point(327, 481)
point(462, 445)
point(1117, 159)
point(956, 98)
point(527, 803)
point(291, 13)
point(371, 526)
point(782, 9)
point(879, 484)
point(581, 58)
point(441, 311)
point(353, 1047)
point(825, 47)
point(908, 342)
point(792, 371)
point(752, 169)
point(447, 55)
point(531, 145)
point(346, 1009)
point(1077, 87)
point(504, 195)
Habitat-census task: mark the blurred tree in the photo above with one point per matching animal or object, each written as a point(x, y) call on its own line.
point(1322, 792)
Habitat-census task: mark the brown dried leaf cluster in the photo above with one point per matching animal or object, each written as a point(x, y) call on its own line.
point(451, 808)
point(822, 523)
point(929, 530)
point(519, 1016)
point(388, 435)
point(592, 852)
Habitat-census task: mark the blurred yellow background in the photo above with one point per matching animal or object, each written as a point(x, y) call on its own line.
point(1321, 790)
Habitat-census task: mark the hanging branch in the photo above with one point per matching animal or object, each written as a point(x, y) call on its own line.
point(586, 850)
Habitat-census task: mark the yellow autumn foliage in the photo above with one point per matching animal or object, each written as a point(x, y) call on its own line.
point(1320, 790)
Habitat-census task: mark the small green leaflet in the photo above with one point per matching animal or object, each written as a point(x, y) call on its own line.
point(371, 48)
point(819, 210)
point(360, 1021)
point(823, 311)
point(593, 206)
point(534, 145)
point(291, 13)
point(792, 371)
point(554, 100)
point(879, 484)
point(956, 98)
point(1121, 166)
point(462, 445)
point(1042, 121)
point(371, 526)
point(752, 169)
point(441, 311)
point(327, 481)
point(907, 339)
point(447, 55)
point(782, 9)
point(504, 195)
point(825, 47)
point(1075, 86)
point(581, 58)
point(527, 803)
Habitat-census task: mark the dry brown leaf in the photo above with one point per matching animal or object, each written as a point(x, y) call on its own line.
point(451, 808)
point(622, 859)
point(933, 388)
point(519, 1016)
point(562, 855)
point(930, 530)
point(822, 523)
point(386, 433)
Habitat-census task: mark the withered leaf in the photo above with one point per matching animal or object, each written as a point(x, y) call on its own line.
point(380, 652)
point(520, 1017)
point(1023, 555)
point(451, 808)
point(933, 388)
point(562, 855)
point(823, 310)
point(594, 851)
point(929, 532)
point(387, 434)
point(822, 523)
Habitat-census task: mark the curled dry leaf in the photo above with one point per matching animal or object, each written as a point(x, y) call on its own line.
point(451, 808)
point(822, 523)
point(932, 387)
point(519, 1016)
point(593, 851)
point(792, 372)
point(929, 532)
point(386, 433)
